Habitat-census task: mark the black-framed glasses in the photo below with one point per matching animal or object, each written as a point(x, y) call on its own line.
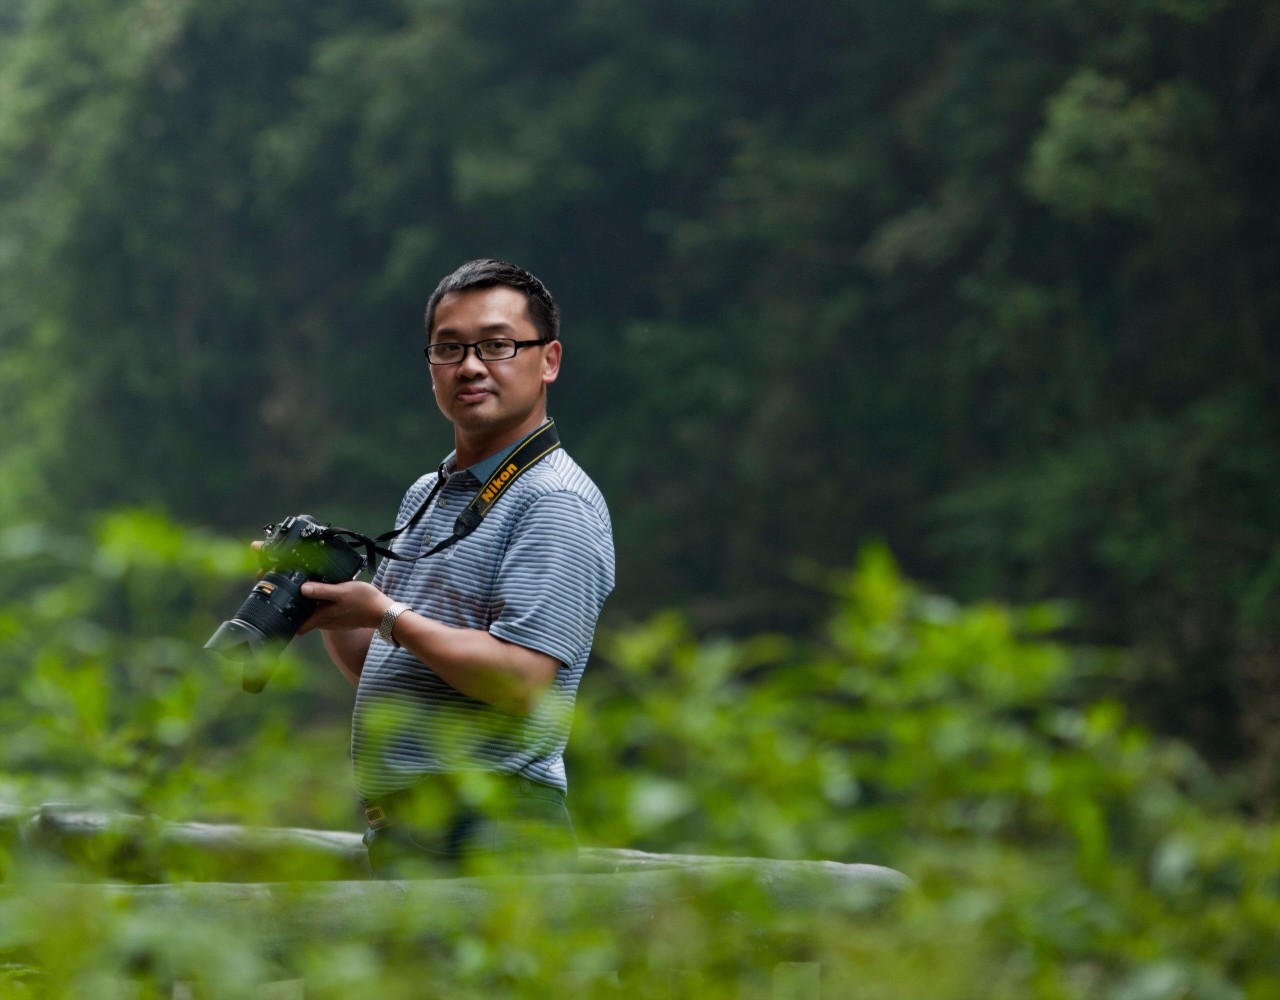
point(497, 349)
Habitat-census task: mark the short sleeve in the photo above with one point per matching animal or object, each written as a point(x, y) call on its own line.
point(555, 574)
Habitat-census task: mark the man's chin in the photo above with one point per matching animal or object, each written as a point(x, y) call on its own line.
point(481, 420)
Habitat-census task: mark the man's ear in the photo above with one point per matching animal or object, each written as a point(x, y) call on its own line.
point(551, 362)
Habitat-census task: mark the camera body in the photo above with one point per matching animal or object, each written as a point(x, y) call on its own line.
point(297, 550)
point(302, 544)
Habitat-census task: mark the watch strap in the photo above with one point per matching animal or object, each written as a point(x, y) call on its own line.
point(388, 623)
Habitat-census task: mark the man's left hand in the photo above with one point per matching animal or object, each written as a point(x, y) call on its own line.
point(349, 605)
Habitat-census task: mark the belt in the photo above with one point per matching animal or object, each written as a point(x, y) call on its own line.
point(381, 813)
point(376, 816)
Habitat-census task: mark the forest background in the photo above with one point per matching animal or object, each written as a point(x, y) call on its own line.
point(994, 284)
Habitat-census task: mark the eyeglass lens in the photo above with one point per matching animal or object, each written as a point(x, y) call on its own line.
point(487, 350)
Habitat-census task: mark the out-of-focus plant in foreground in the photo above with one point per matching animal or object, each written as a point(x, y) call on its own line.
point(1057, 850)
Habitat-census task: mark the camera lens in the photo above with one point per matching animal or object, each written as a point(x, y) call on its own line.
point(265, 623)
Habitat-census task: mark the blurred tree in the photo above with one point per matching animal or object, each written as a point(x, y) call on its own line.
point(1114, 388)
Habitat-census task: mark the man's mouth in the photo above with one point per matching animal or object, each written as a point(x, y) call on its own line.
point(471, 394)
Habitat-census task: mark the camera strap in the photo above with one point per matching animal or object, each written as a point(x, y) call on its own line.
point(526, 454)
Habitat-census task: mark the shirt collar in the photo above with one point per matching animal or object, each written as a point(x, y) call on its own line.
point(484, 468)
point(481, 470)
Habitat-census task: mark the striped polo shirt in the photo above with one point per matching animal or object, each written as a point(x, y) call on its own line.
point(535, 572)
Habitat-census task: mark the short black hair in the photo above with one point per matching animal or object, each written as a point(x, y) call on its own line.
point(543, 312)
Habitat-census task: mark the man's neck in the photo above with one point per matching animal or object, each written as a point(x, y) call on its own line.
point(472, 448)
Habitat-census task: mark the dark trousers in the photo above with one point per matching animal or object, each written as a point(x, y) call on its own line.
point(453, 825)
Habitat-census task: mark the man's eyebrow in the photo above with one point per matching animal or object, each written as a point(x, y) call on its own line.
point(487, 328)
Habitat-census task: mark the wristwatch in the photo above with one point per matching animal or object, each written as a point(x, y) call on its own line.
point(388, 623)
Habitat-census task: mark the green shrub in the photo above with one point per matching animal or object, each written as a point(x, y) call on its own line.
point(1057, 851)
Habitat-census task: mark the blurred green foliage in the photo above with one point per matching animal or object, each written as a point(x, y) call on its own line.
point(1058, 850)
point(109, 700)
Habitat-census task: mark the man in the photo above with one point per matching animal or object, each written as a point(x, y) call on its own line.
point(467, 661)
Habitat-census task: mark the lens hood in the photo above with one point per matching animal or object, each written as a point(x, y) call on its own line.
point(255, 651)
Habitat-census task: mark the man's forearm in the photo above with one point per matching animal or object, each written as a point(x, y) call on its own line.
point(506, 675)
point(347, 648)
point(503, 674)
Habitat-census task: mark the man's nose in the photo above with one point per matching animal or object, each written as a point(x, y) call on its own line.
point(471, 363)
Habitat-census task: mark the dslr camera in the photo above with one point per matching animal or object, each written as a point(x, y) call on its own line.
point(297, 550)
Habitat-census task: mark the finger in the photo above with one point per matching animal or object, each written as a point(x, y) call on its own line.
point(257, 548)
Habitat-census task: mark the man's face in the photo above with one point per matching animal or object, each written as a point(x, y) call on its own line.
point(491, 398)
